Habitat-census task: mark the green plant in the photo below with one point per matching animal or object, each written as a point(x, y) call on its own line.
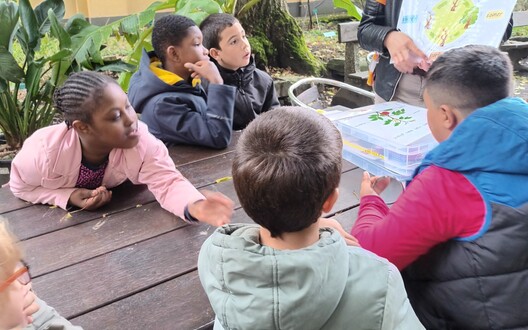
point(351, 7)
point(26, 88)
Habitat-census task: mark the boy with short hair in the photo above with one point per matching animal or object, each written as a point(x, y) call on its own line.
point(230, 50)
point(459, 230)
point(288, 272)
point(167, 91)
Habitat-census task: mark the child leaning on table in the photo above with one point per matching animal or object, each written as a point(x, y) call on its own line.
point(20, 307)
point(459, 231)
point(230, 50)
point(292, 271)
point(167, 91)
point(99, 145)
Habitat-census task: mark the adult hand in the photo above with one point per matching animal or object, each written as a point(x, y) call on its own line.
point(30, 303)
point(333, 223)
point(205, 69)
point(90, 199)
point(405, 55)
point(215, 210)
point(373, 185)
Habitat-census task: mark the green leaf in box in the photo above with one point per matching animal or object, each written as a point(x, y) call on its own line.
point(387, 138)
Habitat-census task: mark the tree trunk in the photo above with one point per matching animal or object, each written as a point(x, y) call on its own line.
point(276, 38)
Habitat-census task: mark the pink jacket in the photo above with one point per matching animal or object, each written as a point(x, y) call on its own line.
point(46, 169)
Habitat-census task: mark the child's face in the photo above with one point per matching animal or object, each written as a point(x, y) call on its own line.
point(435, 119)
point(191, 49)
point(114, 124)
point(12, 313)
point(235, 51)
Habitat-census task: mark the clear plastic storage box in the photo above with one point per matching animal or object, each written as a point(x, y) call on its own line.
point(386, 139)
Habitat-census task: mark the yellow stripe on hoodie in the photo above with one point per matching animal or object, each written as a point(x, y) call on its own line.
point(166, 76)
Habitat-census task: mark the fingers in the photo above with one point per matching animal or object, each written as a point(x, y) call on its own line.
point(99, 197)
point(219, 198)
point(416, 51)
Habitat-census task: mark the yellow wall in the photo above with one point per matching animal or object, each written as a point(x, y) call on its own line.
point(109, 8)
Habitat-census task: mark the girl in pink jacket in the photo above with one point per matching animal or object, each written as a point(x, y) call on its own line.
point(100, 145)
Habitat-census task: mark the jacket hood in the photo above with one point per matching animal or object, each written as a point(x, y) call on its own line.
point(240, 274)
point(144, 84)
point(491, 144)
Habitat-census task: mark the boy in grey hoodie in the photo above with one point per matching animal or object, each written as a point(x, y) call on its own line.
point(290, 271)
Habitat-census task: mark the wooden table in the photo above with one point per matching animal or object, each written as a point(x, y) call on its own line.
point(131, 264)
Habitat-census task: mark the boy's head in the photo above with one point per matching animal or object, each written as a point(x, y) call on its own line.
point(287, 168)
point(177, 40)
point(462, 80)
point(226, 41)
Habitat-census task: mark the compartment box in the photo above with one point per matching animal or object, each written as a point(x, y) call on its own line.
point(387, 139)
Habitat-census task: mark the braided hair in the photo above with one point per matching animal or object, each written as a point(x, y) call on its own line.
point(80, 95)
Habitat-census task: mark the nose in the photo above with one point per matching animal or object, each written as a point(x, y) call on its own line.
point(205, 51)
point(129, 117)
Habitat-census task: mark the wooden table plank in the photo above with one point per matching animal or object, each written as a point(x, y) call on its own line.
point(97, 237)
point(41, 219)
point(155, 308)
point(183, 154)
point(86, 286)
point(10, 202)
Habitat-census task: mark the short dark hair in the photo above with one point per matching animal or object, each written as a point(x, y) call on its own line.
point(168, 31)
point(80, 95)
point(213, 26)
point(287, 163)
point(470, 77)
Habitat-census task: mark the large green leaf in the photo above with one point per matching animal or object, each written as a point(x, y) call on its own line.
point(8, 22)
point(41, 13)
point(198, 10)
point(9, 68)
point(58, 31)
point(350, 7)
point(29, 21)
point(245, 8)
point(118, 66)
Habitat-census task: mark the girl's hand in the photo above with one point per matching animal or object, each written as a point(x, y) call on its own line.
point(373, 185)
point(215, 210)
point(30, 303)
point(88, 199)
point(334, 224)
point(205, 69)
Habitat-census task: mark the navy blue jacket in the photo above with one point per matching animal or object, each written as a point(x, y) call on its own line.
point(181, 113)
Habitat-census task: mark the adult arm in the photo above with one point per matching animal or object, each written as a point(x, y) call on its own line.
point(372, 29)
point(437, 206)
point(189, 119)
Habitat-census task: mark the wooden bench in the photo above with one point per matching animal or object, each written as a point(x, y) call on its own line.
point(517, 47)
point(347, 34)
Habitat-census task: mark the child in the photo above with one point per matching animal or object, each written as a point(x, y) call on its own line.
point(167, 92)
point(19, 305)
point(230, 50)
point(288, 272)
point(459, 230)
point(100, 145)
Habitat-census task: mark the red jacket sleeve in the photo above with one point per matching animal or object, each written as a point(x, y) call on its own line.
point(438, 205)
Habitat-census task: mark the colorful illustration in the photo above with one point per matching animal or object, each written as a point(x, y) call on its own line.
point(439, 25)
point(394, 117)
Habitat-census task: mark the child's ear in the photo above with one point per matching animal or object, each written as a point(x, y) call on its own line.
point(80, 127)
point(214, 53)
point(173, 54)
point(450, 117)
point(330, 201)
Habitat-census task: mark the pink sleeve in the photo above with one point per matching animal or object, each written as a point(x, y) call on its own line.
point(171, 189)
point(437, 206)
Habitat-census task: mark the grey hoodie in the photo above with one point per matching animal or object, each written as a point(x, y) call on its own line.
point(324, 286)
